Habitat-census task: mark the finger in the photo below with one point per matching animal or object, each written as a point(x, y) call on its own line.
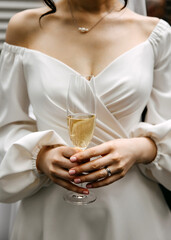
point(100, 174)
point(90, 152)
point(57, 157)
point(92, 177)
point(57, 172)
point(71, 187)
point(64, 163)
point(106, 181)
point(68, 151)
point(92, 165)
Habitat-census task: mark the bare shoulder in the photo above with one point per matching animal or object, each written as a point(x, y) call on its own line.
point(148, 24)
point(23, 25)
point(143, 24)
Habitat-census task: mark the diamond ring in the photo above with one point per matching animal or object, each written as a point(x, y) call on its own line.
point(108, 172)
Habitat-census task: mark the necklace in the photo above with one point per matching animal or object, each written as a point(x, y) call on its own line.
point(83, 29)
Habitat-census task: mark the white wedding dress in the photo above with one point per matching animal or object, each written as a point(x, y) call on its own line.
point(8, 210)
point(129, 209)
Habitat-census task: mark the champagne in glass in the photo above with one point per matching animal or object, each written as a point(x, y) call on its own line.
point(81, 122)
point(81, 127)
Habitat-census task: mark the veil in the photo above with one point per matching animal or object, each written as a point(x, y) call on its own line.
point(137, 6)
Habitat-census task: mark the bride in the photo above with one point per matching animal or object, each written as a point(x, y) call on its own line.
point(129, 55)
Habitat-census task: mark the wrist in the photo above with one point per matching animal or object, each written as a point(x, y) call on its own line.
point(39, 158)
point(147, 150)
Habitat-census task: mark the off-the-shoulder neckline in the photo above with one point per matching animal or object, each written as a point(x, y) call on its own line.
point(20, 49)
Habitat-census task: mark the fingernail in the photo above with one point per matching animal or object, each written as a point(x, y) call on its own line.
point(73, 159)
point(77, 180)
point(85, 192)
point(72, 172)
point(89, 186)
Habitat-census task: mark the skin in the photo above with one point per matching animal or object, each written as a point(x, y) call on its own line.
point(117, 33)
point(118, 155)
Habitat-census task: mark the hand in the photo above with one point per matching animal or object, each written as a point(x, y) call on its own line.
point(118, 155)
point(55, 163)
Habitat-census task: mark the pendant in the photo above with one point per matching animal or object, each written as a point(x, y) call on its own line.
point(83, 30)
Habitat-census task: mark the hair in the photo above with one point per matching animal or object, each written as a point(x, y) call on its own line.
point(52, 6)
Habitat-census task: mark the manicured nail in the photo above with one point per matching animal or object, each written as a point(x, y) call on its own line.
point(72, 172)
point(77, 180)
point(85, 192)
point(73, 159)
point(89, 186)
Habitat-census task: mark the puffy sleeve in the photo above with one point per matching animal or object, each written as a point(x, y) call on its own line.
point(157, 124)
point(20, 141)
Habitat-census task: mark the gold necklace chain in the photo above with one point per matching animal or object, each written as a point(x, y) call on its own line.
point(84, 29)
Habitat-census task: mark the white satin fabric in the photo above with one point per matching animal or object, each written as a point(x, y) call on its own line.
point(131, 208)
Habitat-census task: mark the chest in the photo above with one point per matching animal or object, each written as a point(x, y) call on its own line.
point(124, 85)
point(87, 53)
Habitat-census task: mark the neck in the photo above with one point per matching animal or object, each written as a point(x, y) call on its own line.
point(95, 5)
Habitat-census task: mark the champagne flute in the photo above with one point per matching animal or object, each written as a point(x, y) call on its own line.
point(81, 116)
